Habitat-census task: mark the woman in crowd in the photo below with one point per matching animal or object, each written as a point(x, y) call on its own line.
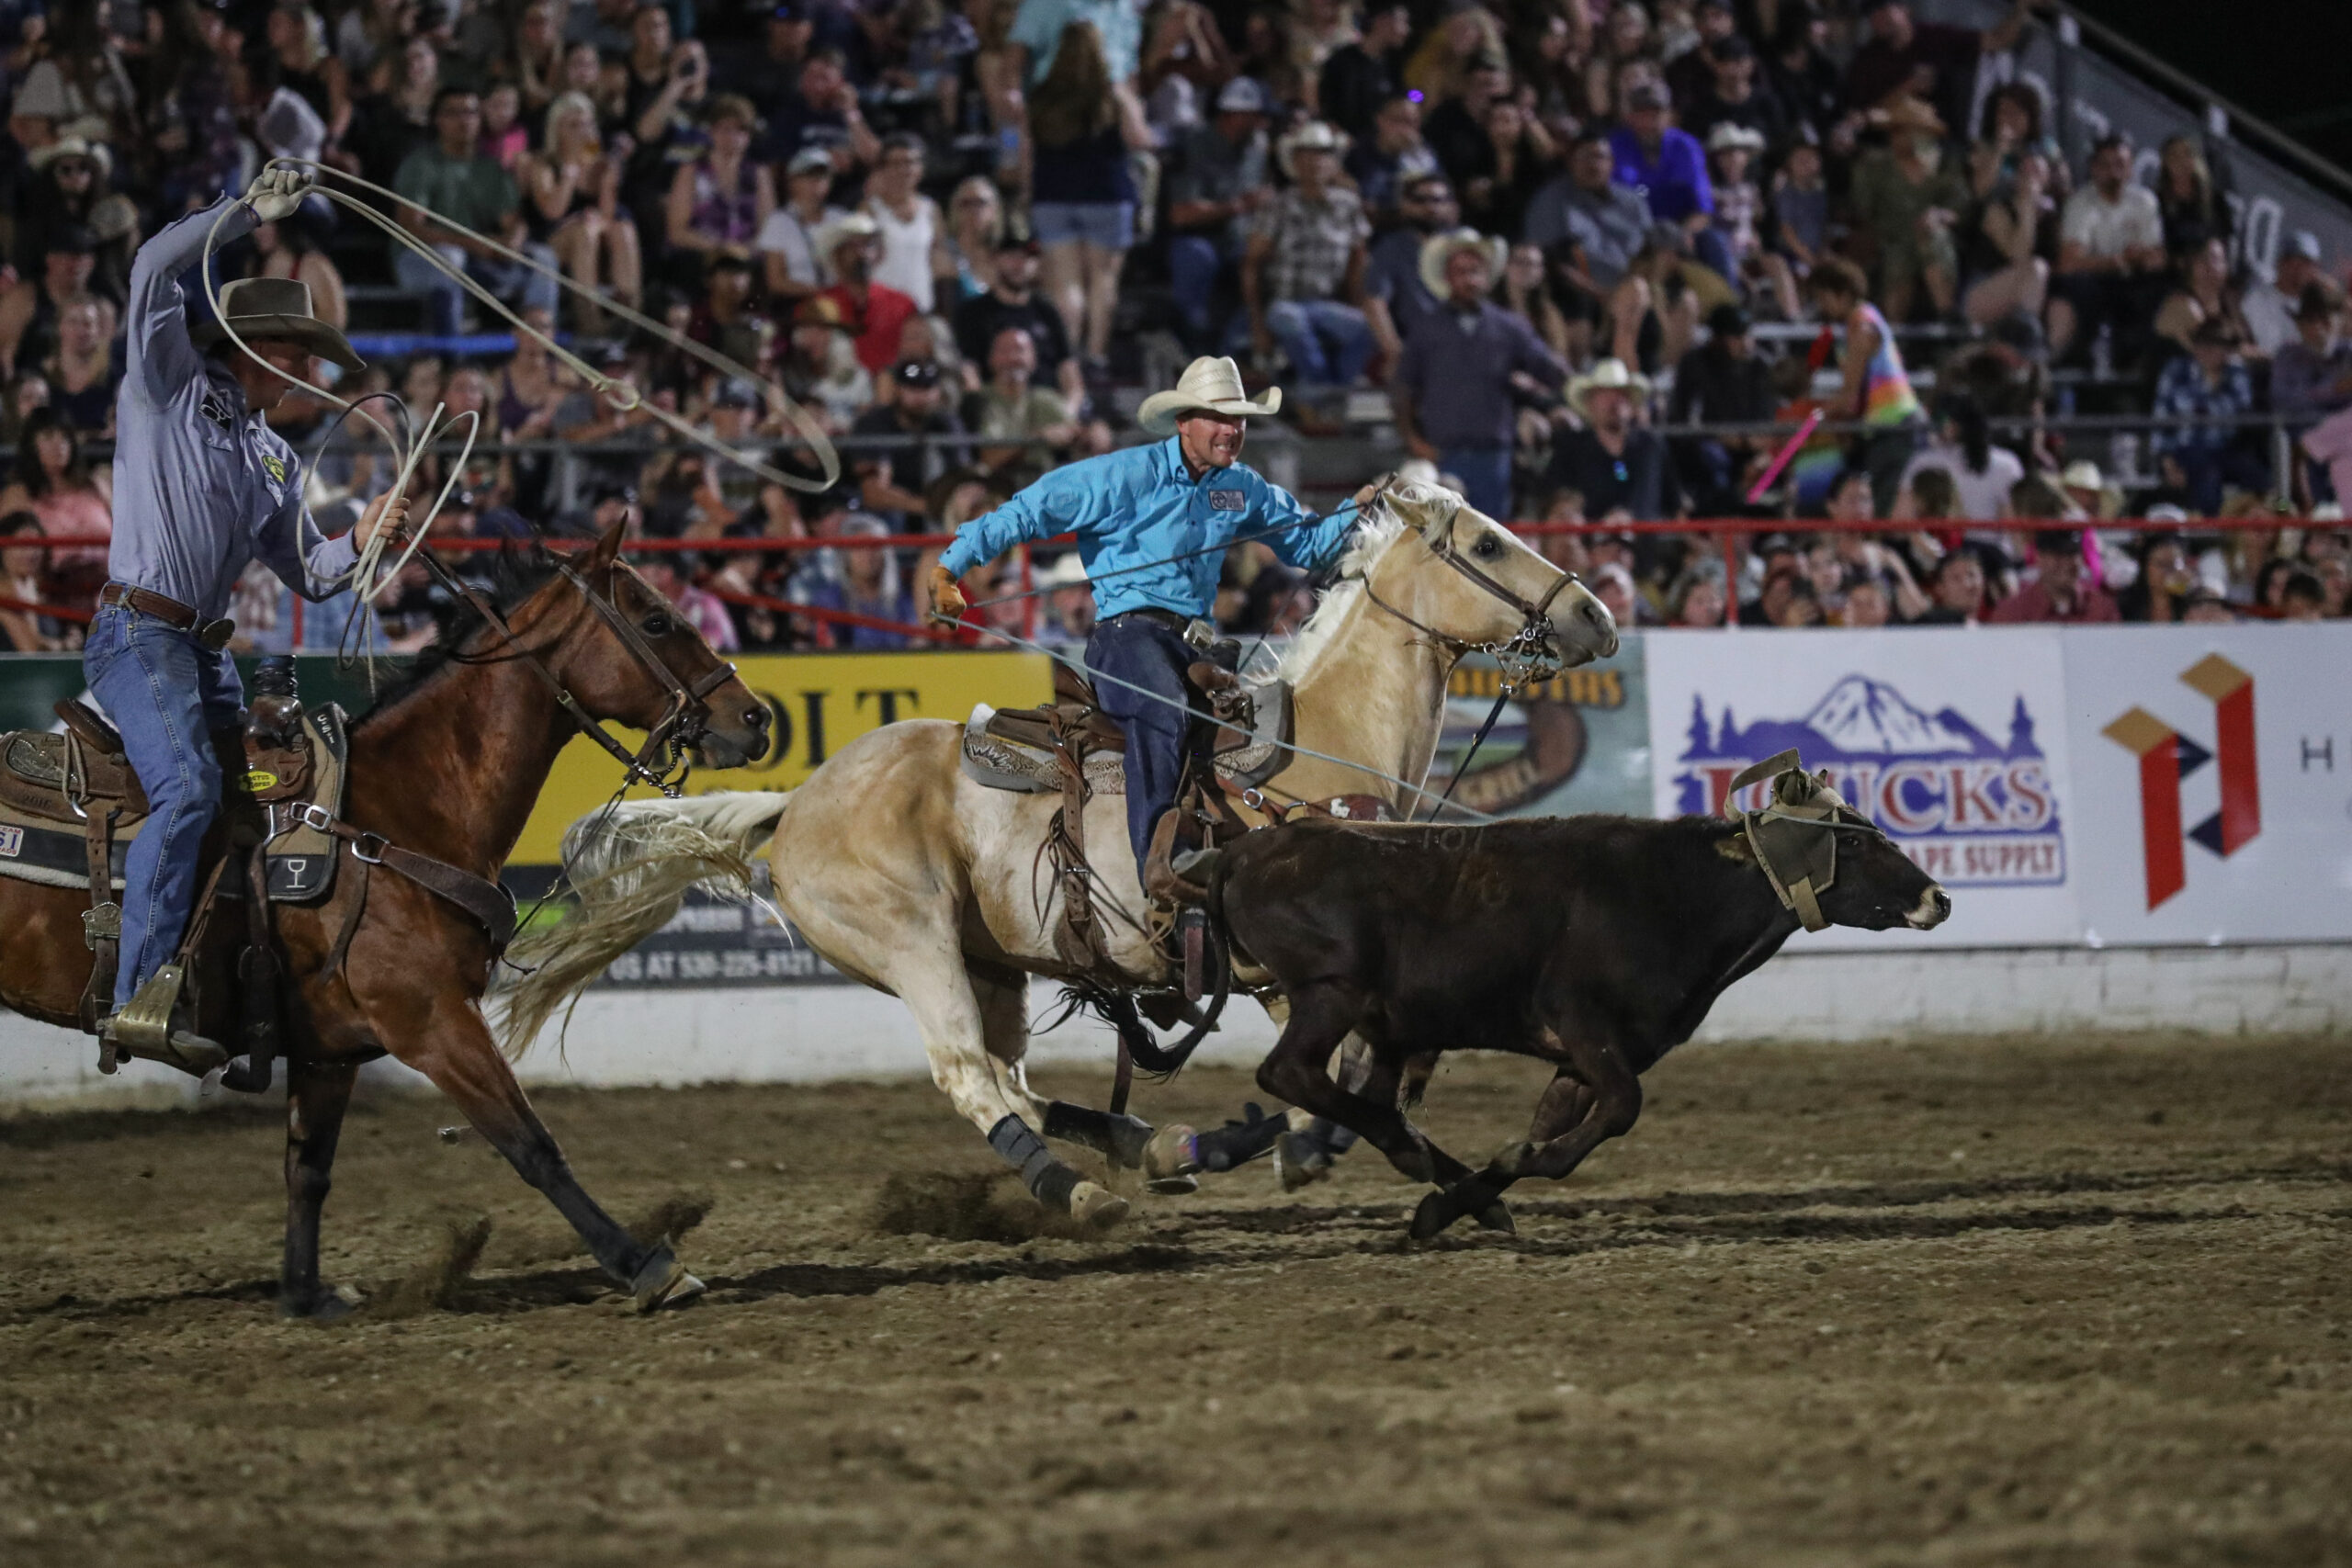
point(571, 193)
point(81, 373)
point(2194, 213)
point(791, 269)
point(2012, 244)
point(24, 578)
point(2202, 294)
point(535, 62)
point(300, 62)
point(915, 259)
point(720, 201)
point(1083, 198)
point(1525, 289)
point(1876, 390)
point(52, 480)
point(1510, 162)
point(975, 224)
point(2008, 127)
point(1626, 41)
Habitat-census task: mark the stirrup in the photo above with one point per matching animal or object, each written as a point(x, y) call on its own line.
point(142, 1028)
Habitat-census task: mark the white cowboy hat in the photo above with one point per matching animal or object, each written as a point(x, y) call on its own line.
point(1068, 571)
point(1211, 382)
point(1731, 133)
point(2083, 474)
point(841, 230)
point(1437, 249)
point(1606, 376)
point(1314, 136)
point(97, 154)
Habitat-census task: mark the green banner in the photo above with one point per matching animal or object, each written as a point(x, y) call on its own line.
point(31, 684)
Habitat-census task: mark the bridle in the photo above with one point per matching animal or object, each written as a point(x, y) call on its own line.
point(1527, 655)
point(661, 761)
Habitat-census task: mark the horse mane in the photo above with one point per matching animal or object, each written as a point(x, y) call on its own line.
point(1383, 527)
point(516, 571)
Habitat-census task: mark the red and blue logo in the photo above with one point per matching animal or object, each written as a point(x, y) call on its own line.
point(1972, 811)
point(2167, 757)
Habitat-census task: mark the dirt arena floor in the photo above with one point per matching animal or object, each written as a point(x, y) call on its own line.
point(2020, 1303)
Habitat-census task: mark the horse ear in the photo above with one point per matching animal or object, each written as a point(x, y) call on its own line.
point(609, 547)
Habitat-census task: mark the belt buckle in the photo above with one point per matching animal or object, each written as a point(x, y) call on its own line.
point(313, 816)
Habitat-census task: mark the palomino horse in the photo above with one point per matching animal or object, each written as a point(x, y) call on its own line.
point(909, 876)
point(448, 767)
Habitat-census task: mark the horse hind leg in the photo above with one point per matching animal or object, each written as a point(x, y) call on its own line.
point(946, 1000)
point(1167, 1157)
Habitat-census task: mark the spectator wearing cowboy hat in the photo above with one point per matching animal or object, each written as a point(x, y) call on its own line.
point(1142, 516)
point(1453, 390)
point(1619, 465)
point(1302, 278)
point(1069, 598)
point(874, 312)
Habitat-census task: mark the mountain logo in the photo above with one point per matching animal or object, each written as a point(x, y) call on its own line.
point(1972, 811)
point(2167, 757)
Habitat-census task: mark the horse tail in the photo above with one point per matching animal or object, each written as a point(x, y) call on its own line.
point(629, 869)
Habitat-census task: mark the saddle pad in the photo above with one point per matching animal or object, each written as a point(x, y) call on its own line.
point(298, 863)
point(995, 763)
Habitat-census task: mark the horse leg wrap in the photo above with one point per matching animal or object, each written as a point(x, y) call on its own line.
point(1119, 1138)
point(1049, 1179)
point(1335, 1139)
point(1238, 1143)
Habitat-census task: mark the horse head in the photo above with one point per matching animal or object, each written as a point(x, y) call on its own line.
point(625, 655)
point(1473, 585)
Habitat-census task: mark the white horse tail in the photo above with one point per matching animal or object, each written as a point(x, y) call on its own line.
point(629, 869)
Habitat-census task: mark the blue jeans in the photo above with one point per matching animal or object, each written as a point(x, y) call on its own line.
point(1130, 648)
point(445, 298)
point(1485, 473)
point(1304, 328)
point(1194, 262)
point(166, 692)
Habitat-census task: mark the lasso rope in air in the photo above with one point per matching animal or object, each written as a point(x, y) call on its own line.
point(368, 576)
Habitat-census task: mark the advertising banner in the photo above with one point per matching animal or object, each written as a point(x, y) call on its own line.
point(2214, 769)
point(1954, 741)
point(1579, 742)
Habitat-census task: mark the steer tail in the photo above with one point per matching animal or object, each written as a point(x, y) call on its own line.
point(629, 869)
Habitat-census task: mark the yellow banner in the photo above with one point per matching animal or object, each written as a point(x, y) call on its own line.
point(820, 701)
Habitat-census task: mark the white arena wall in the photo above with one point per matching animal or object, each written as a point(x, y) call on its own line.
point(813, 1034)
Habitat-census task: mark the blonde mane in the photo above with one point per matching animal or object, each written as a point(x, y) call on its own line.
point(1382, 526)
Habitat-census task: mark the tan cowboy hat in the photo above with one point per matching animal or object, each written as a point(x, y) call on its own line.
point(277, 307)
point(1314, 136)
point(1606, 375)
point(97, 154)
point(1437, 249)
point(841, 230)
point(1211, 382)
point(2083, 475)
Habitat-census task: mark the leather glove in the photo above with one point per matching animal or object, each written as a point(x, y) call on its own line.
point(276, 193)
point(947, 600)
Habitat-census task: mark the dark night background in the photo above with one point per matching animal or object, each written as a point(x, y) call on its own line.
point(2282, 61)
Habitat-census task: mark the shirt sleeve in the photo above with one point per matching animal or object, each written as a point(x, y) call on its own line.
point(278, 545)
point(1300, 537)
point(1703, 189)
point(162, 359)
point(1535, 357)
point(1066, 499)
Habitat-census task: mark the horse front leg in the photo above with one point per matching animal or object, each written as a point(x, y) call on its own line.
point(445, 1038)
point(317, 1095)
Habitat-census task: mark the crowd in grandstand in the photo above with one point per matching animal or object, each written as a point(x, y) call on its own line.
point(1540, 238)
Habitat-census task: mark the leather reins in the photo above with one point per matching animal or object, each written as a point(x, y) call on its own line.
point(683, 719)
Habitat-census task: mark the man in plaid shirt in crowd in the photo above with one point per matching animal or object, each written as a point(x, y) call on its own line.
point(1302, 276)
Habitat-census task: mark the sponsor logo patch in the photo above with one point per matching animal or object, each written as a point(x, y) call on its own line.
point(12, 841)
point(1227, 501)
point(277, 467)
point(216, 408)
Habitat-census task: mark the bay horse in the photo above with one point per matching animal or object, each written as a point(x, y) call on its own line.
point(450, 765)
point(908, 875)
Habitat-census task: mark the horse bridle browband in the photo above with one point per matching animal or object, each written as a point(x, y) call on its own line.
point(682, 720)
point(1522, 654)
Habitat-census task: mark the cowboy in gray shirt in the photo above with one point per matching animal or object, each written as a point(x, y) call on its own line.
point(202, 487)
point(1607, 222)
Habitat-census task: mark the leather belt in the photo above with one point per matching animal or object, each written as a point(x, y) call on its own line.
point(214, 635)
point(1157, 616)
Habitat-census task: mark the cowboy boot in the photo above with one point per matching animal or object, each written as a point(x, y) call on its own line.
point(1164, 867)
point(143, 1027)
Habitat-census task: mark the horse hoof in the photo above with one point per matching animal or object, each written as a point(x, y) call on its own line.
point(676, 1288)
point(325, 1306)
point(1300, 1162)
point(1171, 1162)
point(1430, 1219)
point(1096, 1207)
point(1496, 1216)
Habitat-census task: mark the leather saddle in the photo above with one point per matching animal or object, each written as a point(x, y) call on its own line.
point(1019, 748)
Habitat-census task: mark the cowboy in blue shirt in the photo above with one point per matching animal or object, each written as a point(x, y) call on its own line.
point(202, 487)
point(1150, 521)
